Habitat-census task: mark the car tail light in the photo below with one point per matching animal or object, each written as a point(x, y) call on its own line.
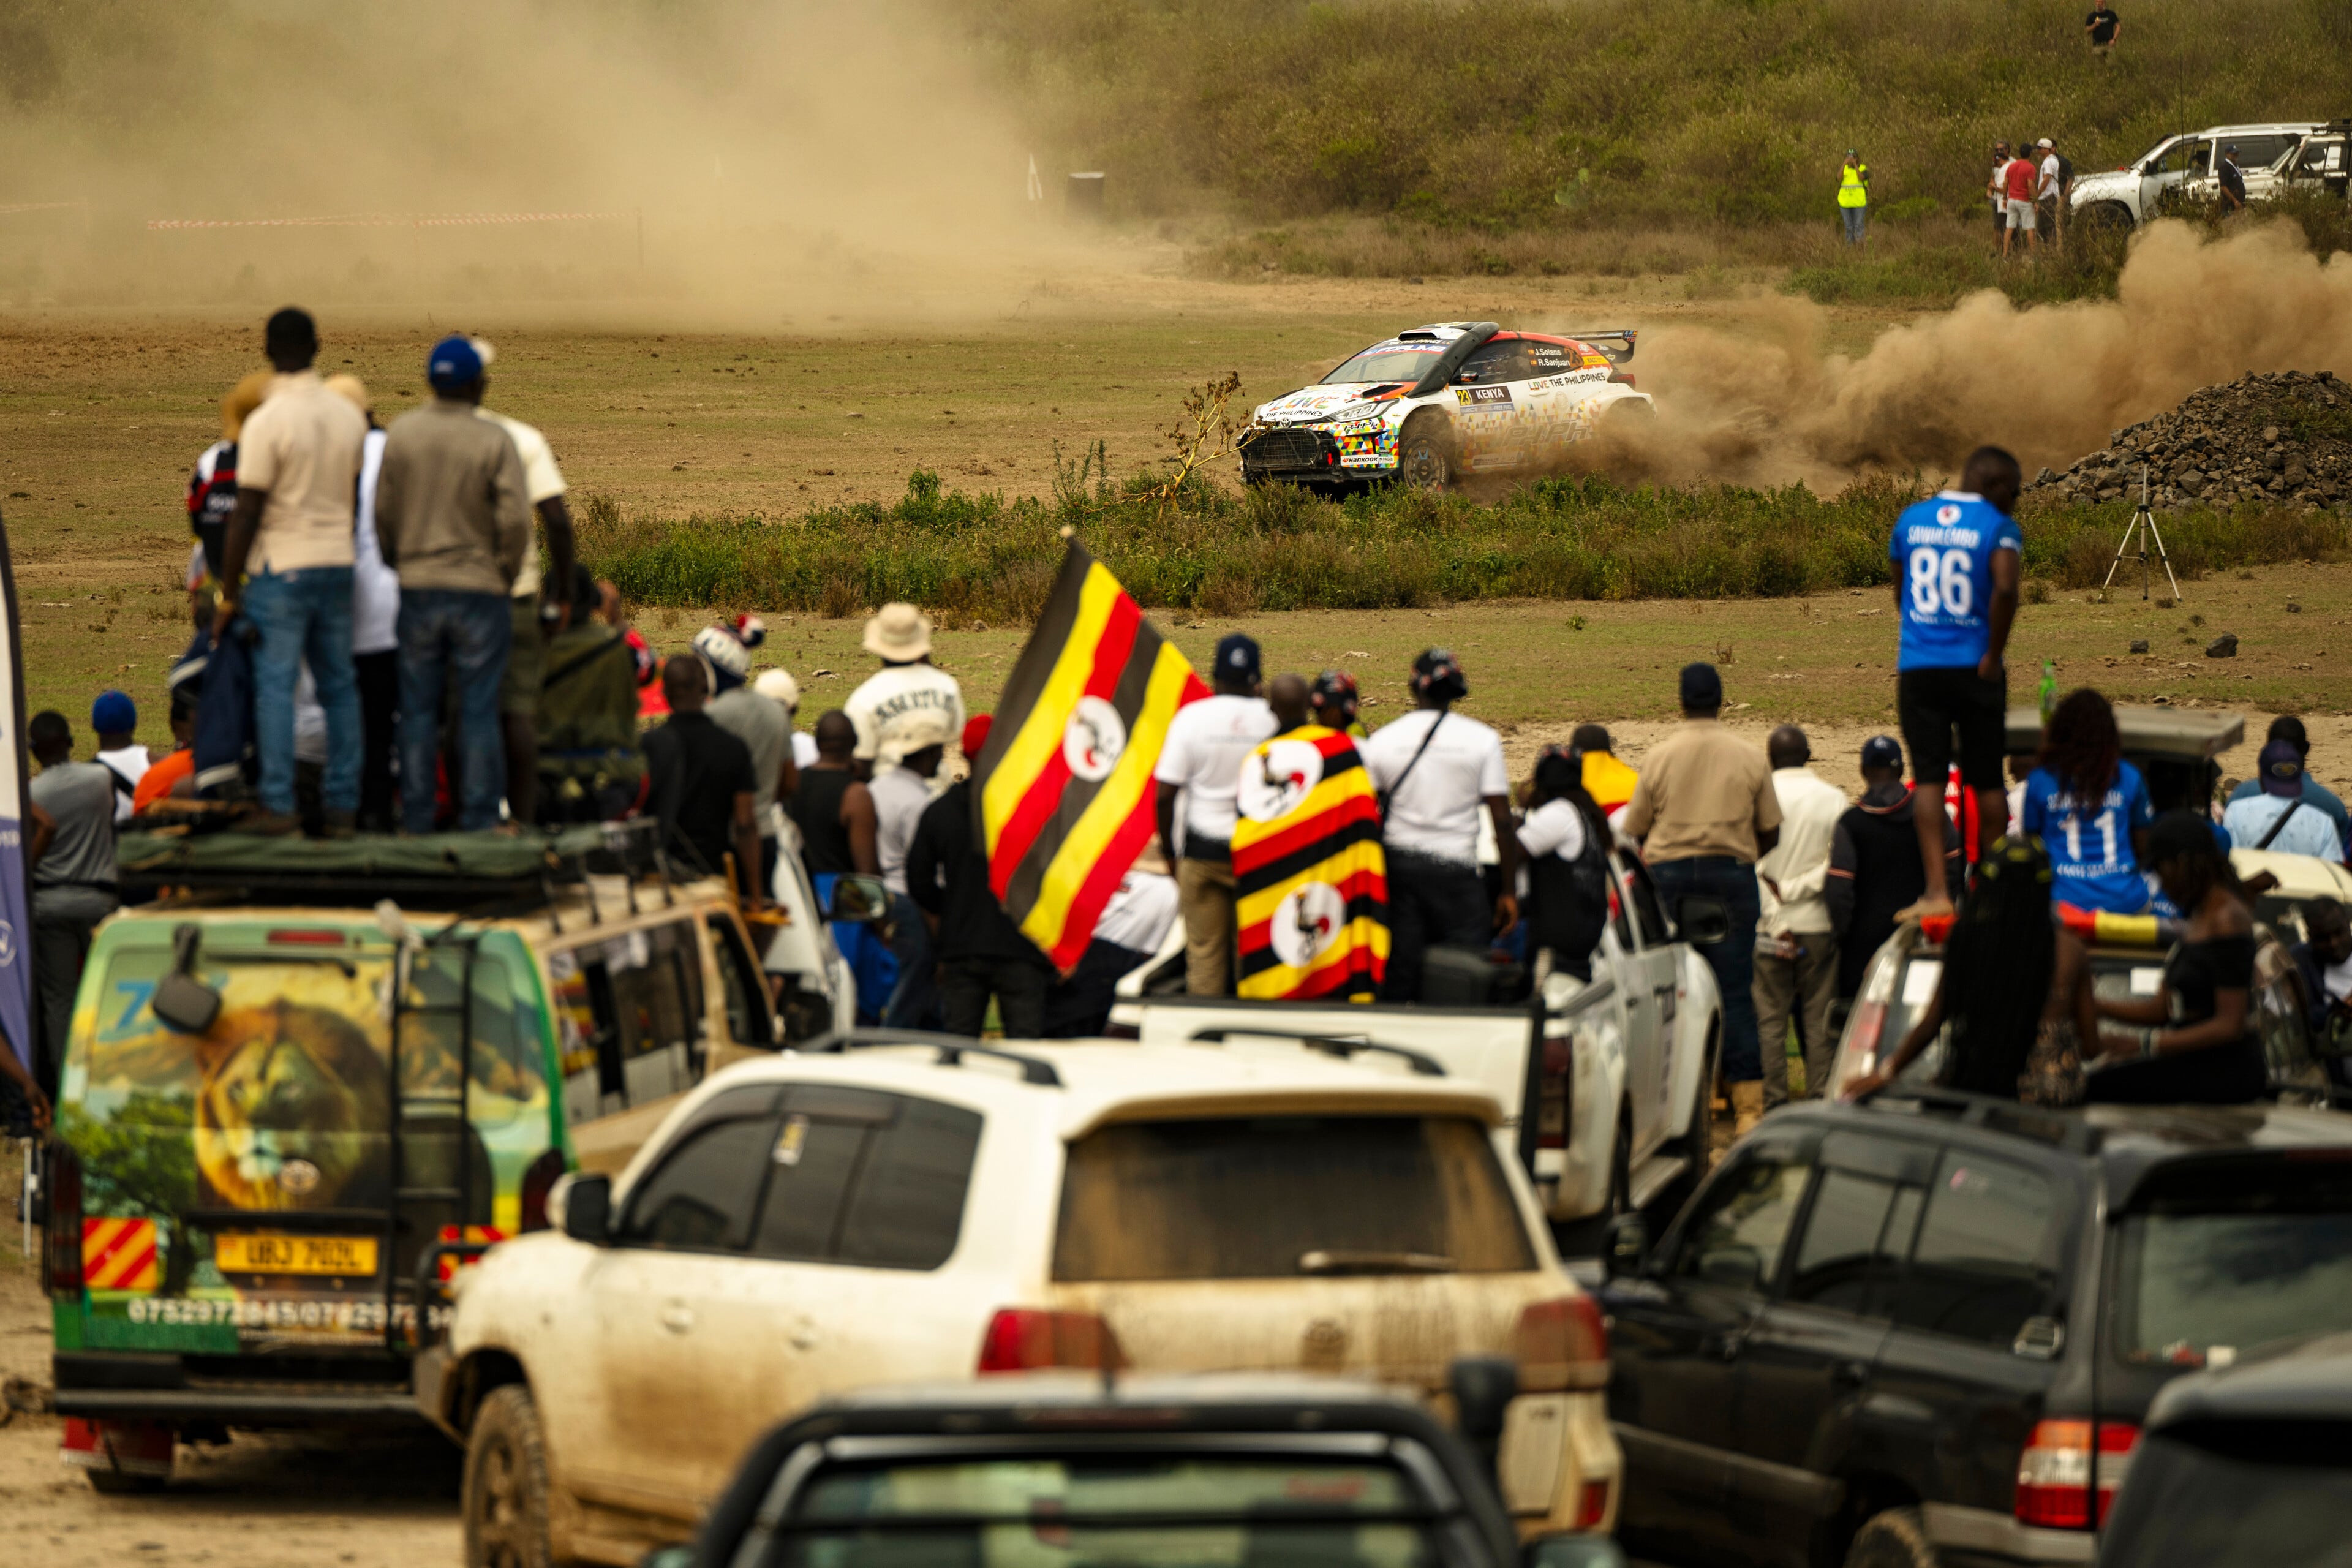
point(1869, 1024)
point(538, 1181)
point(1562, 1345)
point(61, 1237)
point(1025, 1339)
point(1552, 1103)
point(1592, 1505)
point(2062, 1467)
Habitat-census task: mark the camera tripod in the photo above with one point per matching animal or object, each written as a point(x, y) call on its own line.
point(2144, 517)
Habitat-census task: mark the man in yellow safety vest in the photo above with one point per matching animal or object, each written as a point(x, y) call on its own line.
point(1853, 195)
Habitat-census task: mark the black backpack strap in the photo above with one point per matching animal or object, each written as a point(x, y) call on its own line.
point(130, 791)
point(2291, 807)
point(1413, 762)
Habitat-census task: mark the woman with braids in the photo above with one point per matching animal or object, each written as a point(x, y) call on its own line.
point(2193, 1042)
point(2016, 987)
point(1565, 841)
point(2090, 809)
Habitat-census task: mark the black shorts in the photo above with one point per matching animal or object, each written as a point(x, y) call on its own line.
point(1934, 705)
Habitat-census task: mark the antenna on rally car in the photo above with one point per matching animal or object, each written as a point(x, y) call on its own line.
point(2143, 518)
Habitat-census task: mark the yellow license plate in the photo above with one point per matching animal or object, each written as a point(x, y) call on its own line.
point(346, 1256)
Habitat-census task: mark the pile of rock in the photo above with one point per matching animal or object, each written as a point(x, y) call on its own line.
point(2227, 444)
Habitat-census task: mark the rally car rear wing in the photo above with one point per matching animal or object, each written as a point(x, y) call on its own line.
point(1616, 343)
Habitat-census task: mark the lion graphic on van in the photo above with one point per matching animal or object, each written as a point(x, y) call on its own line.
point(292, 1110)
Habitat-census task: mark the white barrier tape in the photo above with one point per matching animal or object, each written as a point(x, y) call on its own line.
point(39, 206)
point(384, 220)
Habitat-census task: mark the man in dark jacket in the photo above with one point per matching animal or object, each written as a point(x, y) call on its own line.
point(589, 764)
point(1875, 869)
point(981, 954)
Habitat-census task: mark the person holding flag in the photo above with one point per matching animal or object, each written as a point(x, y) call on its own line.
point(1310, 878)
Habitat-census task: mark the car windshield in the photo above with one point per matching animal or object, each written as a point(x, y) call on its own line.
point(2222, 1262)
point(1110, 1509)
point(1282, 1196)
point(1388, 361)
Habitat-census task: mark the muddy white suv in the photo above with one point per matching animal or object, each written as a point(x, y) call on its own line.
point(911, 1207)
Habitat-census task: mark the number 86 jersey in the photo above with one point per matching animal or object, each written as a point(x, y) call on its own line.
point(1943, 550)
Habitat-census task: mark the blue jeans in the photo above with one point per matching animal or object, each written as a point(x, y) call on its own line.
point(1733, 882)
point(1853, 218)
point(304, 615)
point(462, 637)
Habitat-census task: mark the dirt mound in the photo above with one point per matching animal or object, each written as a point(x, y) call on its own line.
point(2280, 439)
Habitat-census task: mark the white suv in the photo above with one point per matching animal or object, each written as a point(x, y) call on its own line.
point(918, 1207)
point(2183, 166)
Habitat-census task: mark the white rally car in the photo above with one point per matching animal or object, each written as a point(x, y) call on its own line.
point(1434, 403)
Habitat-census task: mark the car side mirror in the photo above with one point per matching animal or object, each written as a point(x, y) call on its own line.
point(1626, 1250)
point(859, 898)
point(181, 1000)
point(1573, 1552)
point(588, 1208)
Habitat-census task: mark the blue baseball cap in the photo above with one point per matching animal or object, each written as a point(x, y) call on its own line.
point(113, 714)
point(454, 363)
point(1883, 752)
point(1237, 658)
point(2281, 765)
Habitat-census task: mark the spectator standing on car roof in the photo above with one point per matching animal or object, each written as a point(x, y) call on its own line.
point(700, 786)
point(591, 765)
point(752, 719)
point(453, 518)
point(1853, 195)
point(1796, 951)
point(1875, 872)
point(900, 637)
point(1435, 771)
point(2315, 796)
point(1565, 843)
point(2103, 28)
point(983, 955)
point(74, 888)
point(1956, 572)
point(1706, 812)
point(901, 796)
point(1200, 763)
point(2018, 178)
point(2089, 806)
point(1607, 780)
point(212, 491)
point(116, 719)
point(2279, 819)
point(2193, 1042)
point(535, 615)
point(298, 475)
point(375, 628)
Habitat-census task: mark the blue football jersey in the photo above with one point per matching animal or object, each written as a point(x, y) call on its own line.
point(1942, 551)
point(2090, 843)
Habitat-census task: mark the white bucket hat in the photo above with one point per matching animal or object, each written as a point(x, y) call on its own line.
point(914, 730)
point(778, 685)
point(900, 633)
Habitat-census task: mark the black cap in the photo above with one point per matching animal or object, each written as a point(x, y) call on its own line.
point(1702, 687)
point(1435, 674)
point(1882, 752)
point(1238, 656)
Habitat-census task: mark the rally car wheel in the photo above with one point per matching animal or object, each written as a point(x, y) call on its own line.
point(505, 1498)
point(1425, 455)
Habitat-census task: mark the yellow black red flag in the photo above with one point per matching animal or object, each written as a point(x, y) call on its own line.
point(1310, 879)
point(1063, 788)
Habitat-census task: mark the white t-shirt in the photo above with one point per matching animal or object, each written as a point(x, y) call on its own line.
point(375, 587)
point(803, 749)
point(1140, 914)
point(2049, 186)
point(1555, 827)
point(899, 799)
point(1435, 813)
point(1207, 741)
point(541, 480)
point(893, 693)
point(131, 762)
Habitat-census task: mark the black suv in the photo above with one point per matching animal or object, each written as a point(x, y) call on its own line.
point(1925, 1329)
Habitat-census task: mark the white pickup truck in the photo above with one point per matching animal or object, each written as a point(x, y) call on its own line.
point(1605, 1086)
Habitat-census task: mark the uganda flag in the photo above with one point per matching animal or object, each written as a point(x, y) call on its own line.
point(1063, 787)
point(1310, 880)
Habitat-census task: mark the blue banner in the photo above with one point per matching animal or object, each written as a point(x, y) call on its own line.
point(15, 771)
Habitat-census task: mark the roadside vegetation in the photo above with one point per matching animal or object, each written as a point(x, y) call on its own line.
point(977, 558)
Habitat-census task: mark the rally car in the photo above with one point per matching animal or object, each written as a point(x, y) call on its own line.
point(1435, 404)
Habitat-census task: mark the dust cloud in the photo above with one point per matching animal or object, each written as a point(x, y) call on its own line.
point(790, 159)
point(1772, 406)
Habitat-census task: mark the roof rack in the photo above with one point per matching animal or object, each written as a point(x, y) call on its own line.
point(952, 1049)
point(1329, 1045)
point(2055, 1127)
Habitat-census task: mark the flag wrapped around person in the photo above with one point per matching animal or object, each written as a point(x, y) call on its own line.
point(1063, 788)
point(1310, 879)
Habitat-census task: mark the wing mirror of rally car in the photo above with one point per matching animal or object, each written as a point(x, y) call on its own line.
point(182, 1001)
point(1703, 921)
point(860, 899)
point(586, 1202)
point(1573, 1552)
point(1626, 1252)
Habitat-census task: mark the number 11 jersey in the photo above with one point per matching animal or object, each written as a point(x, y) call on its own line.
point(2091, 862)
point(1942, 551)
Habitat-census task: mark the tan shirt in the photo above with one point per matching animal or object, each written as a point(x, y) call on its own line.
point(302, 446)
point(1703, 790)
point(451, 507)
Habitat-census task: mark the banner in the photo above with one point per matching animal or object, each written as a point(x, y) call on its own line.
point(387, 220)
point(1311, 892)
point(1063, 790)
point(15, 876)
